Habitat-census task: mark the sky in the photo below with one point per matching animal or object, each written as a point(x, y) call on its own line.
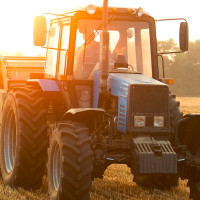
point(16, 18)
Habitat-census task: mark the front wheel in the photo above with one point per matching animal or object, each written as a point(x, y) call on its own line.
point(70, 162)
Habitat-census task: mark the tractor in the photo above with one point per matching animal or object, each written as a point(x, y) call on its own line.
point(95, 100)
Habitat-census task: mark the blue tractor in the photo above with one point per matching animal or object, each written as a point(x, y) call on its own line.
point(99, 100)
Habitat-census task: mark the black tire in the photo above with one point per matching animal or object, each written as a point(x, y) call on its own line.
point(142, 180)
point(163, 181)
point(23, 150)
point(70, 162)
point(194, 189)
point(194, 185)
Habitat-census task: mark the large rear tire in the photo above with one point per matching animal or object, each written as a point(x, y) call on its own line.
point(23, 150)
point(70, 162)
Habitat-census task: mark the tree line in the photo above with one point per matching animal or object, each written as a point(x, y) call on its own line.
point(184, 68)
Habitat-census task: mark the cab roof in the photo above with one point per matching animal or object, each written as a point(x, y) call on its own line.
point(99, 9)
point(68, 14)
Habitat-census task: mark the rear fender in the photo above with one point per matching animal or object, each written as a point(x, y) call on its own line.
point(188, 132)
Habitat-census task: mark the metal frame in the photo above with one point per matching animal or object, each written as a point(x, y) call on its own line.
point(173, 19)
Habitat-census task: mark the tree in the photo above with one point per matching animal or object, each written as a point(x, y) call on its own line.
point(184, 68)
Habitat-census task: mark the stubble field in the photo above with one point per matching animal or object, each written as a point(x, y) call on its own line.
point(117, 183)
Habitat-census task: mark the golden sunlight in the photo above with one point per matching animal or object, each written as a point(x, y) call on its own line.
point(16, 18)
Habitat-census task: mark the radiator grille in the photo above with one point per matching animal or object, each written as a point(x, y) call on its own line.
point(150, 101)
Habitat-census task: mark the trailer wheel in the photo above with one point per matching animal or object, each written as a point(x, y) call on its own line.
point(23, 150)
point(70, 162)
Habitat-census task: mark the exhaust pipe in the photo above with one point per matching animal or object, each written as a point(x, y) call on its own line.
point(104, 50)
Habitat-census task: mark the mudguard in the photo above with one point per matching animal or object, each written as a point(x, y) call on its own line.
point(85, 115)
point(46, 85)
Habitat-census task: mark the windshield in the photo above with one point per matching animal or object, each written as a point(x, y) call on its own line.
point(129, 44)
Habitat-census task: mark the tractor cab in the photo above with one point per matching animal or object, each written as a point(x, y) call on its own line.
point(75, 38)
point(128, 43)
point(74, 42)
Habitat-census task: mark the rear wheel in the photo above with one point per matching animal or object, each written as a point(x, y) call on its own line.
point(23, 138)
point(70, 162)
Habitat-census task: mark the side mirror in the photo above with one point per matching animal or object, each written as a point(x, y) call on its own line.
point(39, 31)
point(183, 36)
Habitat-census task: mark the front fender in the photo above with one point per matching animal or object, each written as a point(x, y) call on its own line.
point(84, 115)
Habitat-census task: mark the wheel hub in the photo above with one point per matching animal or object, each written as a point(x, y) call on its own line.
point(56, 167)
point(10, 141)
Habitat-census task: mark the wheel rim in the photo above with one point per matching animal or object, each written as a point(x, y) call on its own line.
point(56, 167)
point(10, 141)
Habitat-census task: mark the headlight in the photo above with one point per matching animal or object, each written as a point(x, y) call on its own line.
point(158, 121)
point(91, 9)
point(139, 121)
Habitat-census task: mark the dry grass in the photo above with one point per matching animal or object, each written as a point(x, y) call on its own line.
point(189, 104)
point(117, 183)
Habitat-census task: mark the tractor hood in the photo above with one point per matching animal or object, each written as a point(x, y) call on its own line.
point(118, 82)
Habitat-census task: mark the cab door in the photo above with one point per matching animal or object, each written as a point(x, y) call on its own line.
point(52, 51)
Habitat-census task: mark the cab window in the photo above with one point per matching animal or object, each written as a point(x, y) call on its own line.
point(64, 47)
point(129, 44)
point(51, 60)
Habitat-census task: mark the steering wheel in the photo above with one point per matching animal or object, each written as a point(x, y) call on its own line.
point(131, 66)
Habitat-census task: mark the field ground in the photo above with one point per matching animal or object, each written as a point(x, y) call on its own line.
point(117, 183)
point(189, 104)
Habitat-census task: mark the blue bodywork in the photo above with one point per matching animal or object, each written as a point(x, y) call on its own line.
point(118, 84)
